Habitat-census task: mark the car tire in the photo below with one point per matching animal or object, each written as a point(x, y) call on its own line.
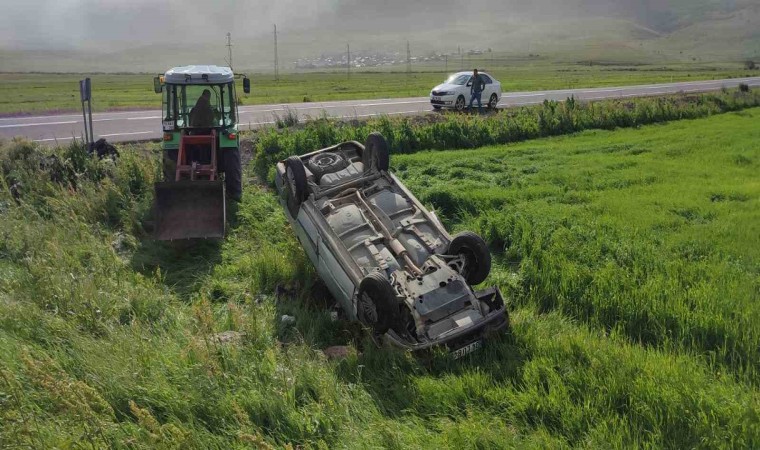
point(377, 306)
point(376, 153)
point(233, 173)
point(459, 104)
point(295, 181)
point(477, 258)
point(493, 101)
point(326, 162)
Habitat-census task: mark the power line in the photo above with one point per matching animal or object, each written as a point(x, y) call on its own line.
point(348, 61)
point(229, 49)
point(276, 60)
point(408, 59)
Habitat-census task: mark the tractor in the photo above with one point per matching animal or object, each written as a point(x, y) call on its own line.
point(201, 151)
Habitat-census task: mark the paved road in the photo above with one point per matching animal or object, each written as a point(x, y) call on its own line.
point(140, 125)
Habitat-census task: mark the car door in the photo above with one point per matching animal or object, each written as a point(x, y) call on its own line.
point(489, 89)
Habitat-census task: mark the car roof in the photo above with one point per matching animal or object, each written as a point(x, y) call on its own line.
point(199, 75)
point(468, 72)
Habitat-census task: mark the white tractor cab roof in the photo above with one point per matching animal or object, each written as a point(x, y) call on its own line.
point(199, 75)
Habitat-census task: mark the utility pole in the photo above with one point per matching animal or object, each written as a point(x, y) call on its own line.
point(408, 60)
point(348, 61)
point(229, 49)
point(276, 59)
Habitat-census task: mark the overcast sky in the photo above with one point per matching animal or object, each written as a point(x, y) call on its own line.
point(119, 24)
point(131, 23)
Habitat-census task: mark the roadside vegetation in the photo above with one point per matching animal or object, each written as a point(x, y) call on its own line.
point(34, 93)
point(458, 131)
point(630, 258)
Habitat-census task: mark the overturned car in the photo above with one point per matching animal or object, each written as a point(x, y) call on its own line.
point(387, 260)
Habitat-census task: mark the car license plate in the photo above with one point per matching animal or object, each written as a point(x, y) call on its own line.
point(436, 99)
point(467, 349)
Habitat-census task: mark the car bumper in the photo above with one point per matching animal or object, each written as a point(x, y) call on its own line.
point(447, 100)
point(497, 320)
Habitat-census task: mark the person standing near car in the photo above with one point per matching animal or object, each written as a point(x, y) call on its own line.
point(476, 90)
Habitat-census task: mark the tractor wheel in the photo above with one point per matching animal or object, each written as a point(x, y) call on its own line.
point(493, 101)
point(170, 164)
point(376, 153)
point(459, 104)
point(377, 304)
point(295, 179)
point(477, 258)
point(233, 173)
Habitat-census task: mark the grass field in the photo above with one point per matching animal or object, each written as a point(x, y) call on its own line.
point(631, 260)
point(43, 93)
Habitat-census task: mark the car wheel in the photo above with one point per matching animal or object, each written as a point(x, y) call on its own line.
point(459, 104)
point(493, 101)
point(376, 153)
point(295, 178)
point(326, 162)
point(377, 304)
point(476, 257)
point(233, 173)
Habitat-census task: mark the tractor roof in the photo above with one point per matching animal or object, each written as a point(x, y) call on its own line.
point(199, 75)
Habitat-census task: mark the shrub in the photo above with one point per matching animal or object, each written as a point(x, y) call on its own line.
point(290, 119)
point(456, 131)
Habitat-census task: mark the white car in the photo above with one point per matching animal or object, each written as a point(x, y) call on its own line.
point(387, 260)
point(455, 92)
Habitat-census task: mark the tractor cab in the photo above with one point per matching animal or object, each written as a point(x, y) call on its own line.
point(201, 151)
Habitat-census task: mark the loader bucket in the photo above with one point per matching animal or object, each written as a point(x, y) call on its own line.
point(190, 209)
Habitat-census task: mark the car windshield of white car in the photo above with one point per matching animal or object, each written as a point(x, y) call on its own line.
point(458, 79)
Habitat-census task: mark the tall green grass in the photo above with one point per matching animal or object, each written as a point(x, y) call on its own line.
point(108, 339)
point(651, 234)
point(458, 131)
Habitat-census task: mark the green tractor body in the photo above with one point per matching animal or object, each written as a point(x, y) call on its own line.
point(201, 151)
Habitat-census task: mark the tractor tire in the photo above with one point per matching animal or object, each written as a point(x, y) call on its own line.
point(170, 164)
point(295, 180)
point(377, 305)
point(376, 153)
point(233, 173)
point(477, 258)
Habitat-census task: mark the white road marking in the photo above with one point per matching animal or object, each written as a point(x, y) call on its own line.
point(54, 139)
point(36, 124)
point(128, 134)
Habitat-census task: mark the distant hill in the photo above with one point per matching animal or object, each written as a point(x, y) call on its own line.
point(573, 30)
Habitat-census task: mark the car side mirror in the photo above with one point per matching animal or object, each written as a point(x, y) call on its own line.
point(247, 85)
point(157, 85)
point(469, 83)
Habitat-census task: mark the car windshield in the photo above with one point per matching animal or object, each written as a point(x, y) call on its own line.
point(458, 79)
